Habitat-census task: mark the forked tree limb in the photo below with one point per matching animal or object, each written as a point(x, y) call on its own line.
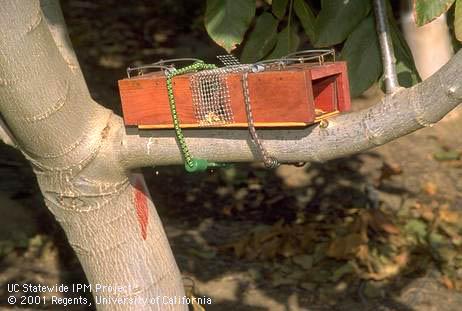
point(386, 47)
point(83, 157)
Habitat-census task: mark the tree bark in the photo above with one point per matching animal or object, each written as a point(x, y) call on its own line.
point(105, 210)
point(84, 159)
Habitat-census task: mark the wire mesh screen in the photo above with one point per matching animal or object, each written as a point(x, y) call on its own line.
point(210, 92)
point(211, 98)
point(228, 60)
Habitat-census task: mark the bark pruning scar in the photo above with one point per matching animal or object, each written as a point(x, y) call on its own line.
point(141, 205)
point(105, 131)
point(35, 23)
point(455, 92)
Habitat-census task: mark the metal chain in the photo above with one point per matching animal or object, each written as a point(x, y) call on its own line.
point(269, 161)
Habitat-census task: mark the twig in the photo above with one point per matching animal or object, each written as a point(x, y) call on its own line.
point(386, 47)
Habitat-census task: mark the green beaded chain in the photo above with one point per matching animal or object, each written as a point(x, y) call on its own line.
point(191, 164)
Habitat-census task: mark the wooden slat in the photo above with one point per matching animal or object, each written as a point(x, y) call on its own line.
point(276, 97)
point(245, 125)
point(145, 100)
point(328, 69)
point(344, 100)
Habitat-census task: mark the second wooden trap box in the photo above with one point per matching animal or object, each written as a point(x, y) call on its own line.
point(282, 94)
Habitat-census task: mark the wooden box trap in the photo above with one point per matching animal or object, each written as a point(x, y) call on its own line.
point(297, 90)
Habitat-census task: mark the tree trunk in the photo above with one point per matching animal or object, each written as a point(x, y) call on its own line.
point(105, 210)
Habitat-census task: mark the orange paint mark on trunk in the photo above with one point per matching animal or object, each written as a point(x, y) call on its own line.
point(141, 205)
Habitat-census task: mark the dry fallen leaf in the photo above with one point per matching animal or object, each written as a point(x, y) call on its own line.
point(289, 248)
point(345, 247)
point(447, 282)
point(450, 216)
point(430, 188)
point(304, 261)
point(268, 250)
point(388, 170)
point(391, 269)
point(239, 247)
point(379, 221)
point(427, 213)
point(371, 244)
point(268, 233)
point(402, 259)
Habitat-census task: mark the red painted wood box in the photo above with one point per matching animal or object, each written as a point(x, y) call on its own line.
point(297, 95)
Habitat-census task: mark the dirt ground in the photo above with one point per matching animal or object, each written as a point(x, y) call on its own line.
point(253, 239)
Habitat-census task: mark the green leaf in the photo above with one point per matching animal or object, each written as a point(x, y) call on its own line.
point(261, 40)
point(458, 20)
point(418, 228)
point(337, 19)
point(436, 240)
point(306, 17)
point(449, 155)
point(405, 66)
point(362, 53)
point(279, 8)
point(287, 42)
point(227, 21)
point(427, 10)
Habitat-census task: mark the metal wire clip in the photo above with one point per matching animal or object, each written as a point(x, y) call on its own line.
point(164, 65)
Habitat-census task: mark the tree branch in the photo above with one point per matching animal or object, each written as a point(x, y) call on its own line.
point(386, 47)
point(394, 116)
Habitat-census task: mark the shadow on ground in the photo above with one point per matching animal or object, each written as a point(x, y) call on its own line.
point(205, 212)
